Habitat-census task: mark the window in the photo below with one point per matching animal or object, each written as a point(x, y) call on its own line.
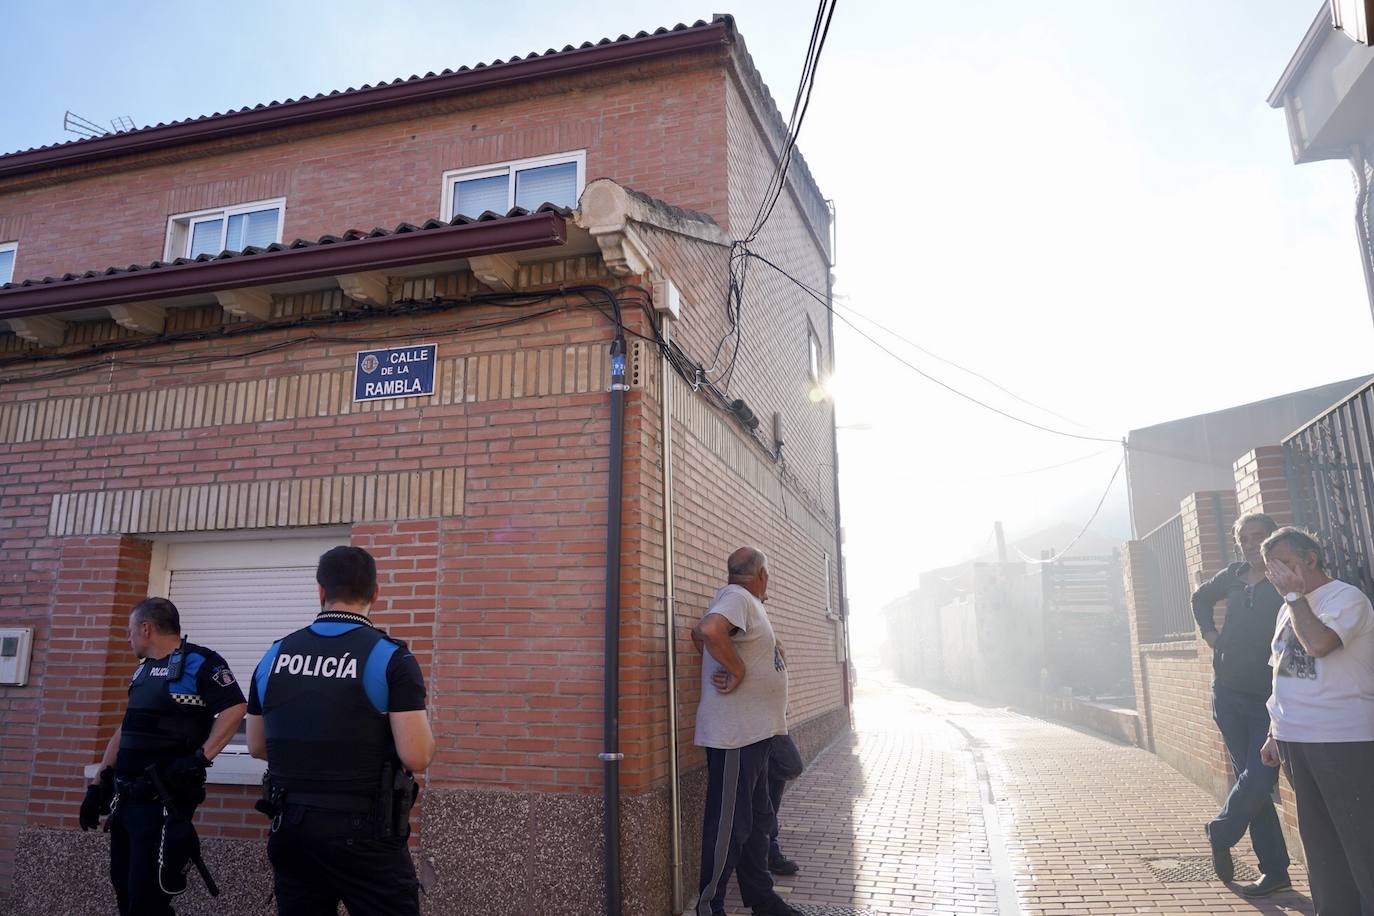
point(256, 224)
point(813, 343)
point(7, 254)
point(237, 598)
point(528, 183)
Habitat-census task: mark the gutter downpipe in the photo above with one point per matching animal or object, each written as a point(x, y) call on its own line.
point(835, 470)
point(1362, 223)
point(670, 623)
point(611, 755)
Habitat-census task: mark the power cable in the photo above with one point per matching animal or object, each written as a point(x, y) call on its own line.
point(926, 375)
point(1086, 525)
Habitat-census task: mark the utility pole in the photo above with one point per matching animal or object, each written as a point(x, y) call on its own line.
point(1001, 543)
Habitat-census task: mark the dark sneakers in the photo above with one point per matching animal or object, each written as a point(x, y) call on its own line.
point(776, 907)
point(1221, 858)
point(1266, 885)
point(781, 865)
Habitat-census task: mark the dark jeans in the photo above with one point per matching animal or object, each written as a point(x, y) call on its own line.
point(734, 833)
point(1334, 785)
point(784, 765)
point(135, 835)
point(322, 858)
point(1244, 723)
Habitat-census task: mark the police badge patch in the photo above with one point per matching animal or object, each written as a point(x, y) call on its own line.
point(222, 676)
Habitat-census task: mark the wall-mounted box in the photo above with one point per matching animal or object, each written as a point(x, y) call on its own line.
point(16, 645)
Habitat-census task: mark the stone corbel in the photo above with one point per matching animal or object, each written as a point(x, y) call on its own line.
point(246, 303)
point(141, 317)
point(43, 330)
point(496, 271)
point(369, 288)
point(622, 250)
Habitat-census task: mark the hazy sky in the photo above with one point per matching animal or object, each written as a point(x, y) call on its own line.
point(1086, 200)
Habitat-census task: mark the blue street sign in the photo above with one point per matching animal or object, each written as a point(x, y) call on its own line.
point(396, 372)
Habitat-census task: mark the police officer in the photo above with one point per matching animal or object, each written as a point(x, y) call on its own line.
point(338, 711)
point(184, 706)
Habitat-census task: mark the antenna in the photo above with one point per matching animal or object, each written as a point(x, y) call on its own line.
point(122, 123)
point(84, 127)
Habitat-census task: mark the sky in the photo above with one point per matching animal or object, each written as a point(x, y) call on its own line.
point(1086, 201)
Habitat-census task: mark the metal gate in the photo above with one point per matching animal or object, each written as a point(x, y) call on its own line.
point(1327, 465)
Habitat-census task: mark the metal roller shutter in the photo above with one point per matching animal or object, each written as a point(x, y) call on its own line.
point(240, 612)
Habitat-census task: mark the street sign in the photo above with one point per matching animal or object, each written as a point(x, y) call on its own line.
point(396, 372)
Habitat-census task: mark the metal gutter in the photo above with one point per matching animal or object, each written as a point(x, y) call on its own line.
point(264, 268)
point(290, 114)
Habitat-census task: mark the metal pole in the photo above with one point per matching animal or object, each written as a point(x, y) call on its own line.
point(670, 622)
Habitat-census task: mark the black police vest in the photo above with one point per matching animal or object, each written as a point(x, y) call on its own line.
point(323, 733)
point(166, 717)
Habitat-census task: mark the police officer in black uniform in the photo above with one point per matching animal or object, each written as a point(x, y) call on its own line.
point(338, 711)
point(184, 706)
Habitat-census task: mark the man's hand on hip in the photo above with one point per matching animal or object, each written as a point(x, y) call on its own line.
point(725, 682)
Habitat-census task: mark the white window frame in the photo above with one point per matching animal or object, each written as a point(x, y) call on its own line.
point(815, 354)
point(185, 221)
point(508, 168)
point(10, 246)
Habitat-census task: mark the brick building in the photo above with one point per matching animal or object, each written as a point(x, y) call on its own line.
point(186, 423)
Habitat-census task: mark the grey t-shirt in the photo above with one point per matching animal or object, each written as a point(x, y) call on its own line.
point(757, 708)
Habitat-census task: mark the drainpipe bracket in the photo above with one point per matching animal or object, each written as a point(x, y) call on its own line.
point(610, 758)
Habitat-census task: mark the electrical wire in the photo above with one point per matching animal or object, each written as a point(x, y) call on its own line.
point(926, 375)
point(1086, 525)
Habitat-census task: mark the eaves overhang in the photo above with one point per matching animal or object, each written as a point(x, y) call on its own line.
point(351, 253)
point(367, 99)
point(1316, 32)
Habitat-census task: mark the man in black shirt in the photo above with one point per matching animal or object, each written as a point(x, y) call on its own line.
point(338, 711)
point(184, 706)
point(1241, 685)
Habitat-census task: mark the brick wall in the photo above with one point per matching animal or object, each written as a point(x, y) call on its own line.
point(1173, 680)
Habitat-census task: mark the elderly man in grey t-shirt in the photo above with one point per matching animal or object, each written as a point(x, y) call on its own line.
point(743, 705)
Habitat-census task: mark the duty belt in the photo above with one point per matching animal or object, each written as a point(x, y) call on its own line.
point(135, 790)
point(353, 804)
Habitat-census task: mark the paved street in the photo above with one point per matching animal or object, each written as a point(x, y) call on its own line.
point(944, 806)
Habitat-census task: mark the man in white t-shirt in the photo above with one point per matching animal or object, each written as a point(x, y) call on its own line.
point(743, 705)
point(1321, 716)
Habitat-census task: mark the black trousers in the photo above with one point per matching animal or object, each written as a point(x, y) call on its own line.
point(784, 765)
point(1334, 785)
point(135, 834)
point(734, 833)
point(321, 858)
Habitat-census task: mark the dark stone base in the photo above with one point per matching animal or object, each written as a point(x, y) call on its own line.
point(493, 853)
point(68, 872)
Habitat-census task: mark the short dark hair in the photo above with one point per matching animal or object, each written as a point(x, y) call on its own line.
point(161, 613)
point(1301, 541)
point(1270, 526)
point(347, 574)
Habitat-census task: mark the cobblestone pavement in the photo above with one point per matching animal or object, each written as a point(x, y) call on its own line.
point(937, 805)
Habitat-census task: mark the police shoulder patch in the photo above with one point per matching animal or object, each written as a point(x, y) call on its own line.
point(137, 671)
point(222, 676)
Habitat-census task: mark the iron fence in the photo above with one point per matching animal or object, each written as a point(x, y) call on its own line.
point(1330, 483)
point(1166, 583)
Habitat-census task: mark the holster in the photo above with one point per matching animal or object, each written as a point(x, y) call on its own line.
point(396, 795)
point(270, 802)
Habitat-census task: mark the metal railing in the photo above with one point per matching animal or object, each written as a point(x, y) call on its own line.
point(1331, 485)
point(1166, 583)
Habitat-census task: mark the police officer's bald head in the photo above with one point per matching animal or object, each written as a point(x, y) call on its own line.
point(347, 575)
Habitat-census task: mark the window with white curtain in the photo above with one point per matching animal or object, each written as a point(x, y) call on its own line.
point(526, 183)
point(7, 253)
point(255, 225)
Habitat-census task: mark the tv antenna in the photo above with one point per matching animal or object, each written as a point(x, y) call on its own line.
point(84, 127)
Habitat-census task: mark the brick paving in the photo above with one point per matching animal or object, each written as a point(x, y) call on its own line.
point(938, 805)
